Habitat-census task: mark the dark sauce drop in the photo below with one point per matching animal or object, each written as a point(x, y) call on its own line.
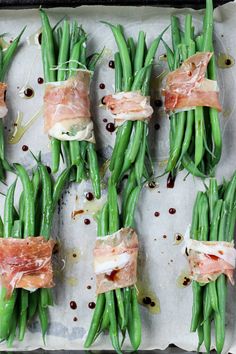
point(40, 80)
point(111, 64)
point(91, 305)
point(40, 38)
point(156, 214)
point(49, 169)
point(186, 281)
point(74, 255)
point(113, 276)
point(87, 221)
point(73, 305)
point(102, 100)
point(158, 103)
point(172, 210)
point(170, 181)
point(25, 148)
point(147, 300)
point(152, 184)
point(152, 304)
point(164, 236)
point(227, 62)
point(29, 92)
point(102, 86)
point(75, 319)
point(157, 126)
point(89, 287)
point(89, 196)
point(178, 237)
point(105, 120)
point(110, 127)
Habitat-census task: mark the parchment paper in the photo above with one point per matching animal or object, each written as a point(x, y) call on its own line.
point(160, 259)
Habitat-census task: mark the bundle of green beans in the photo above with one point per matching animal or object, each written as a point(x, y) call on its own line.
point(214, 217)
point(64, 51)
point(117, 311)
point(34, 217)
point(6, 57)
point(195, 137)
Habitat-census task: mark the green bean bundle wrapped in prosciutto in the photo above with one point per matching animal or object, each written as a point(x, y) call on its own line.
point(211, 255)
point(115, 253)
point(191, 98)
point(67, 118)
point(6, 57)
point(26, 250)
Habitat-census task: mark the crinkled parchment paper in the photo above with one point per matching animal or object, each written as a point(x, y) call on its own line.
point(160, 258)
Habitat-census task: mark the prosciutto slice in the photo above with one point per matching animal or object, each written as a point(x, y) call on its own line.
point(67, 108)
point(210, 259)
point(3, 107)
point(187, 87)
point(128, 106)
point(26, 263)
point(115, 260)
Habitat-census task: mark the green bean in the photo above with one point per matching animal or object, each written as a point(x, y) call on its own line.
point(46, 222)
point(94, 170)
point(8, 211)
point(134, 145)
point(131, 48)
point(12, 333)
point(1, 228)
point(130, 207)
point(113, 328)
point(43, 319)
point(175, 153)
point(2, 145)
point(63, 52)
point(176, 39)
point(29, 200)
point(49, 44)
point(66, 153)
point(24, 302)
point(58, 186)
point(207, 309)
point(139, 163)
point(55, 149)
point(190, 166)
point(124, 56)
point(123, 143)
point(118, 73)
point(139, 54)
point(33, 303)
point(199, 147)
point(9, 53)
point(105, 319)
point(134, 324)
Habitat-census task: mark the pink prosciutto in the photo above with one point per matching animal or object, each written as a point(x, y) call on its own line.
point(3, 107)
point(115, 260)
point(129, 106)
point(206, 267)
point(187, 87)
point(67, 100)
point(26, 263)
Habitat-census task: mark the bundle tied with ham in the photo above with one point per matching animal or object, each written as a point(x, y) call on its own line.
point(192, 98)
point(67, 108)
point(115, 260)
point(209, 247)
point(68, 70)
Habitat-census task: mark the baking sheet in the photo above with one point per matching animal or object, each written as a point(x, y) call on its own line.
point(160, 259)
